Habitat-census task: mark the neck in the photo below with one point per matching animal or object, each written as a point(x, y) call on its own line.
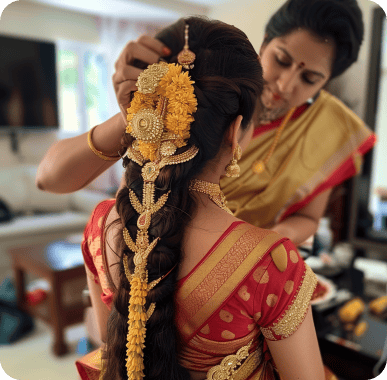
point(269, 115)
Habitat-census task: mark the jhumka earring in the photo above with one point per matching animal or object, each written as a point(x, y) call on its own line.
point(233, 169)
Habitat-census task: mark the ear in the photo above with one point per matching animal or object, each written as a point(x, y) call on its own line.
point(234, 132)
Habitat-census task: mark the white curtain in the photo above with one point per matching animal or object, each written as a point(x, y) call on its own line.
point(114, 35)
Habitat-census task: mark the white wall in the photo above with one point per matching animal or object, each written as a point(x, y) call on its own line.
point(26, 19)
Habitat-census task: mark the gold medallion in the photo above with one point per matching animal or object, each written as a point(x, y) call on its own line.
point(258, 167)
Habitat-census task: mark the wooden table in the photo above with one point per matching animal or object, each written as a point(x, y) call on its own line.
point(58, 263)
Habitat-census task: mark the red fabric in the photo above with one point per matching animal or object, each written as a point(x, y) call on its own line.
point(36, 297)
point(264, 280)
point(92, 248)
point(248, 304)
point(225, 233)
point(344, 172)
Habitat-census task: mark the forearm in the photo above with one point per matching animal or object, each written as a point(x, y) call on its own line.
point(297, 228)
point(70, 165)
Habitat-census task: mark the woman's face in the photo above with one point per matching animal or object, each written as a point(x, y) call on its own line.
point(295, 67)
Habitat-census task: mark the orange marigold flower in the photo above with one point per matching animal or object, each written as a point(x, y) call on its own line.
point(148, 150)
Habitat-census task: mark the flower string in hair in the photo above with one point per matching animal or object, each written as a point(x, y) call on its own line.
point(160, 114)
point(159, 119)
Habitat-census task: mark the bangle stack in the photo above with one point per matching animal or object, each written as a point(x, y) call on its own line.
point(96, 151)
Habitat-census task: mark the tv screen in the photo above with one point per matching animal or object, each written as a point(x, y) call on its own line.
point(28, 88)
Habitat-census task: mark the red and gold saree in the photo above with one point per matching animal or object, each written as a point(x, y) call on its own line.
point(251, 286)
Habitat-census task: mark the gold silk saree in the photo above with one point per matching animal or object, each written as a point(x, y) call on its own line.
point(318, 150)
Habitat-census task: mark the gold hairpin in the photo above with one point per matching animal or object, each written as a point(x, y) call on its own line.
point(186, 57)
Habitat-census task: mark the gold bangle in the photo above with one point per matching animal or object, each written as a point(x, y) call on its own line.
point(97, 152)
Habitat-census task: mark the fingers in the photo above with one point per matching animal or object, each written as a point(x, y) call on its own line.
point(123, 92)
point(134, 50)
point(155, 45)
point(124, 73)
point(146, 50)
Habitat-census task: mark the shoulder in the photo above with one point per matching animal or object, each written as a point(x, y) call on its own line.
point(337, 109)
point(260, 242)
point(98, 215)
point(103, 208)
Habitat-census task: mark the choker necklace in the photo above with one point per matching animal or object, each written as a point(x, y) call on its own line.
point(260, 165)
point(212, 190)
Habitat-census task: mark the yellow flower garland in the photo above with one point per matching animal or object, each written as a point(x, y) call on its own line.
point(137, 331)
point(177, 88)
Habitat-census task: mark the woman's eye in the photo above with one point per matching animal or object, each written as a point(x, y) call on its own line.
point(282, 63)
point(309, 81)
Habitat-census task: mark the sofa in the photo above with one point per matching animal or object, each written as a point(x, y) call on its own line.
point(38, 216)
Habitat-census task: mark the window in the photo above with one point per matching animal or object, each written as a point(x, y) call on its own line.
point(83, 87)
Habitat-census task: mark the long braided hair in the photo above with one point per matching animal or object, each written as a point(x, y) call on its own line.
point(228, 83)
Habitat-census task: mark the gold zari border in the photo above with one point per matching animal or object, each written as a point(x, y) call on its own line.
point(224, 285)
point(295, 314)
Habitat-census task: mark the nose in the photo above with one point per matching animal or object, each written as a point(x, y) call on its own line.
point(287, 81)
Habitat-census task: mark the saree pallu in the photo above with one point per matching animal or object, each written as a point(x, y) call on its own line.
point(319, 149)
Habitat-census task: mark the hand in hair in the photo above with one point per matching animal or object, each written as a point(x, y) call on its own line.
point(134, 58)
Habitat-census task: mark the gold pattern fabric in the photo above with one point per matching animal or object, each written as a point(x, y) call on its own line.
point(280, 257)
point(312, 147)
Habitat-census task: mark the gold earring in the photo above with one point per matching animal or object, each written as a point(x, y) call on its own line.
point(233, 169)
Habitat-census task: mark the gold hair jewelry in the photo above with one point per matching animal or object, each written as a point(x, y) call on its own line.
point(159, 119)
point(212, 190)
point(186, 57)
point(98, 152)
point(160, 114)
point(232, 169)
point(259, 166)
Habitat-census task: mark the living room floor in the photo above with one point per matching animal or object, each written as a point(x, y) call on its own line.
point(31, 357)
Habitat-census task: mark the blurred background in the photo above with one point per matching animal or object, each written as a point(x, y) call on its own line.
point(56, 63)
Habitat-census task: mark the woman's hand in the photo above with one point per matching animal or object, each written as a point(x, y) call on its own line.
point(134, 58)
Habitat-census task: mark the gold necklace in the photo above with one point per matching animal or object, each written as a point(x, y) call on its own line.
point(259, 166)
point(212, 190)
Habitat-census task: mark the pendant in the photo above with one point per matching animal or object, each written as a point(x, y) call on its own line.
point(258, 167)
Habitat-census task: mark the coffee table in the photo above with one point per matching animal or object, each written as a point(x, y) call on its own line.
point(59, 263)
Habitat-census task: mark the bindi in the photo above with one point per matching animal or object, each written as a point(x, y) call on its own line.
point(301, 65)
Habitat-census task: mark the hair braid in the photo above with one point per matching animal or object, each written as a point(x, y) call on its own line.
point(228, 82)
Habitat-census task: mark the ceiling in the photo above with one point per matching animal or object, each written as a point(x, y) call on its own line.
point(136, 9)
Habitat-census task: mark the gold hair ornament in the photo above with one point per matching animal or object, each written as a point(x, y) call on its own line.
point(159, 119)
point(186, 57)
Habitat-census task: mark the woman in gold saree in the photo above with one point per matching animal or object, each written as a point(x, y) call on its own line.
point(181, 287)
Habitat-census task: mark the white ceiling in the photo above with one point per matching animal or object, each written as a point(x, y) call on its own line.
point(136, 9)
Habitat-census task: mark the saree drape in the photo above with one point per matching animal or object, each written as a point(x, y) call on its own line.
point(251, 286)
point(318, 150)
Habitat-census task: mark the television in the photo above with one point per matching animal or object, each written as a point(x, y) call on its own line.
point(28, 85)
